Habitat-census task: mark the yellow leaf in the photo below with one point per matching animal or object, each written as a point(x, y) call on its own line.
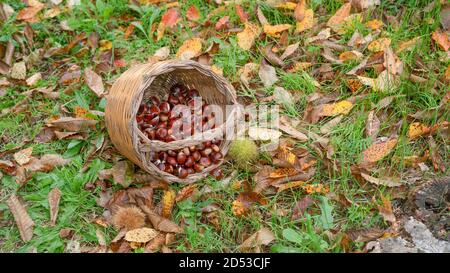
point(290, 185)
point(407, 44)
point(168, 200)
point(299, 66)
point(287, 5)
point(105, 45)
point(350, 55)
point(374, 24)
point(246, 38)
point(416, 129)
point(275, 30)
point(307, 22)
point(333, 109)
point(384, 82)
point(377, 151)
point(379, 44)
point(190, 49)
point(24, 156)
point(339, 17)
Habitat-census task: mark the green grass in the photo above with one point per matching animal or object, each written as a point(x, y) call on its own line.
point(308, 234)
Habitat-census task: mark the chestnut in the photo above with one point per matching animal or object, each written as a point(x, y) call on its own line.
point(205, 161)
point(164, 107)
point(216, 157)
point(172, 153)
point(198, 167)
point(161, 133)
point(171, 160)
point(196, 156)
point(181, 158)
point(189, 161)
point(182, 173)
point(206, 151)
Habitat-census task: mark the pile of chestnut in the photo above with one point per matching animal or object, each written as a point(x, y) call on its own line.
point(157, 121)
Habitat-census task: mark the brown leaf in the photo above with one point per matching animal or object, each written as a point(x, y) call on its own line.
point(185, 192)
point(192, 13)
point(46, 163)
point(73, 124)
point(24, 156)
point(364, 4)
point(253, 244)
point(245, 201)
point(289, 50)
point(261, 18)
point(436, 159)
point(445, 16)
point(272, 57)
point(93, 39)
point(160, 223)
point(19, 71)
point(267, 74)
point(288, 129)
point(243, 16)
point(7, 166)
point(378, 150)
point(385, 209)
point(222, 23)
point(123, 172)
point(23, 220)
point(28, 13)
point(289, 185)
point(170, 18)
point(388, 182)
point(379, 44)
point(339, 17)
point(70, 77)
point(129, 31)
point(372, 125)
point(53, 200)
point(441, 38)
point(156, 243)
point(167, 203)
point(301, 206)
point(94, 81)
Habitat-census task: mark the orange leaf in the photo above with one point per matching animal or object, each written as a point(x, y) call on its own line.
point(190, 49)
point(222, 23)
point(377, 151)
point(129, 31)
point(374, 24)
point(170, 18)
point(246, 38)
point(441, 38)
point(242, 14)
point(386, 210)
point(244, 202)
point(379, 44)
point(417, 129)
point(282, 172)
point(339, 17)
point(29, 12)
point(316, 188)
point(192, 13)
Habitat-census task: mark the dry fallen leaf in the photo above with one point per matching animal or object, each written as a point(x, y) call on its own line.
point(289, 51)
point(267, 74)
point(19, 71)
point(290, 185)
point(304, 17)
point(123, 172)
point(372, 125)
point(260, 133)
point(185, 192)
point(441, 38)
point(28, 13)
point(46, 163)
point(73, 124)
point(31, 81)
point(301, 206)
point(407, 44)
point(94, 81)
point(333, 109)
point(170, 18)
point(23, 220)
point(247, 72)
point(262, 237)
point(379, 44)
point(189, 49)
point(168, 201)
point(385, 209)
point(378, 150)
point(24, 156)
point(391, 62)
point(243, 16)
point(350, 55)
point(388, 182)
point(53, 200)
point(275, 30)
point(246, 38)
point(141, 235)
point(160, 223)
point(374, 24)
point(192, 14)
point(222, 23)
point(244, 202)
point(417, 129)
point(383, 83)
point(339, 17)
point(282, 172)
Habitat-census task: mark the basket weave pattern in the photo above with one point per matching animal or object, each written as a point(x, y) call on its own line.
point(155, 79)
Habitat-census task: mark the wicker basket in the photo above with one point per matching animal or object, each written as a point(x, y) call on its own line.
point(155, 79)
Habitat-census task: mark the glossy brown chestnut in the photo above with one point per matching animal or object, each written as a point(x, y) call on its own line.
point(181, 158)
point(205, 161)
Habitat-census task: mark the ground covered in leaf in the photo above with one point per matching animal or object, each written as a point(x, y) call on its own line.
point(363, 160)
